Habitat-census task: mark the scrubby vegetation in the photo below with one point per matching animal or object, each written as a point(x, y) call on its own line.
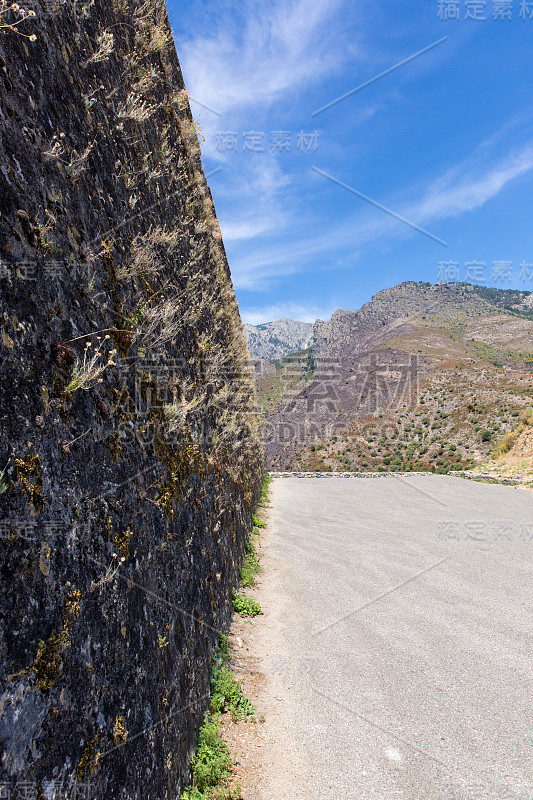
point(459, 412)
point(211, 766)
point(506, 444)
point(251, 566)
point(245, 606)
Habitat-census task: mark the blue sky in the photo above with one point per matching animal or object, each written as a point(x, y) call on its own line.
point(445, 142)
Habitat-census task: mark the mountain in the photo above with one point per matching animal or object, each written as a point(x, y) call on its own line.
point(519, 302)
point(369, 326)
point(421, 377)
point(273, 340)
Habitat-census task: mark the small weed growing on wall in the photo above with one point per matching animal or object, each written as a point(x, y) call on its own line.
point(106, 45)
point(88, 370)
point(11, 15)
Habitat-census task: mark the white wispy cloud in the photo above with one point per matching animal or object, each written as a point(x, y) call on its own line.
point(246, 59)
point(280, 46)
point(466, 188)
point(254, 192)
point(461, 189)
point(261, 266)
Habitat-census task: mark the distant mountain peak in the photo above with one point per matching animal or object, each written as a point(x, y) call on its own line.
point(445, 300)
point(273, 340)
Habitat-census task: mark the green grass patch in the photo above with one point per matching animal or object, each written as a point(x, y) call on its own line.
point(227, 695)
point(211, 766)
point(263, 500)
point(251, 566)
point(249, 570)
point(245, 606)
point(226, 692)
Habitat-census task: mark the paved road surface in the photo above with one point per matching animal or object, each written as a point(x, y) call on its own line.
point(399, 638)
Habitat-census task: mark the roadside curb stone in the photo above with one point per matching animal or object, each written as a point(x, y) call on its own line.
point(345, 474)
point(472, 476)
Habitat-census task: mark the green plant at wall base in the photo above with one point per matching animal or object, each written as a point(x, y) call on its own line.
point(258, 522)
point(227, 695)
point(264, 490)
point(211, 765)
point(251, 567)
point(221, 658)
point(223, 645)
point(248, 572)
point(245, 606)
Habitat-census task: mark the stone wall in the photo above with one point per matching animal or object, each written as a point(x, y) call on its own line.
point(129, 465)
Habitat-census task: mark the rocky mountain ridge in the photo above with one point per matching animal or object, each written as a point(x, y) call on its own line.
point(353, 328)
point(441, 301)
point(404, 354)
point(272, 340)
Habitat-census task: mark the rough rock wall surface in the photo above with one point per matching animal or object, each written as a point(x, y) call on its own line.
point(129, 465)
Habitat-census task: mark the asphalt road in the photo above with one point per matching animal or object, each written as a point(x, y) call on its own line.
point(401, 638)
